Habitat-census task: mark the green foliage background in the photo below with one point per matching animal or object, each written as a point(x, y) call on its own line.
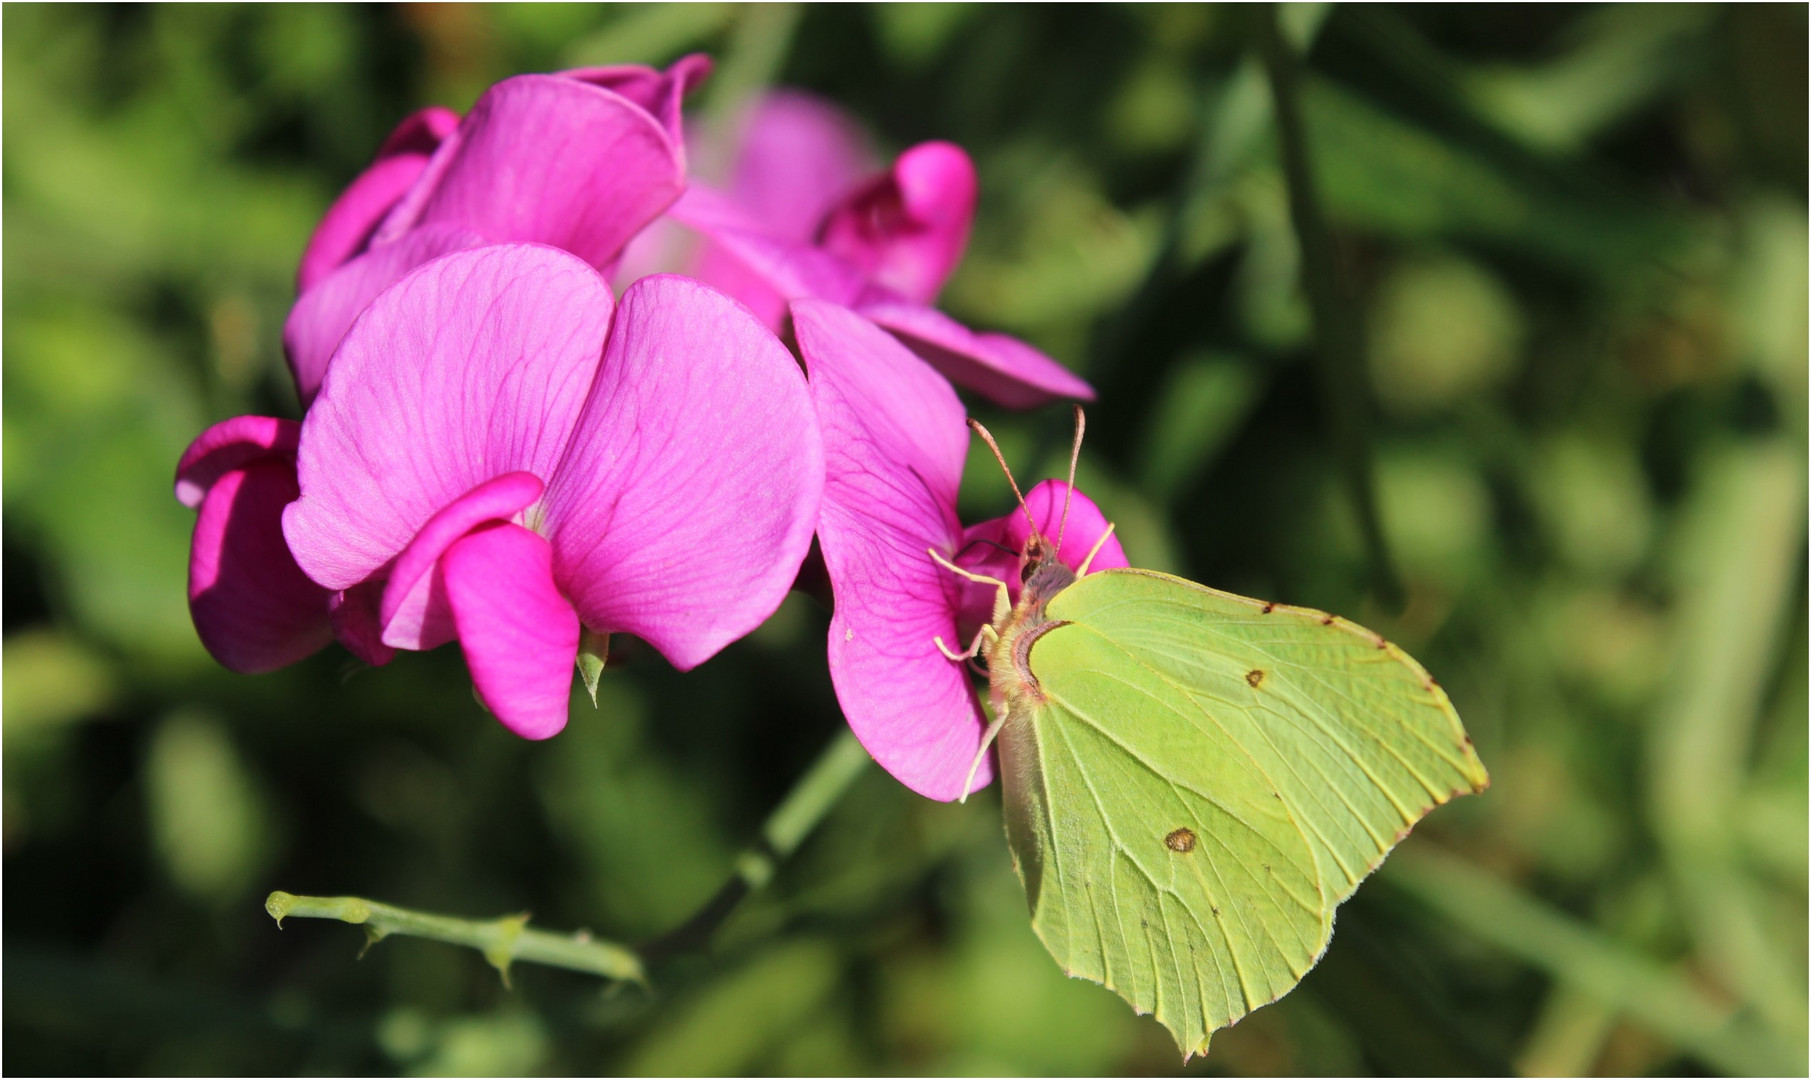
point(1577, 237)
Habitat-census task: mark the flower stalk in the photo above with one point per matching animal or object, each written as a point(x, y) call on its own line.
point(502, 941)
point(508, 939)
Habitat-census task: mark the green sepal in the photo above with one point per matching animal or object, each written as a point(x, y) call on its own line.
point(594, 649)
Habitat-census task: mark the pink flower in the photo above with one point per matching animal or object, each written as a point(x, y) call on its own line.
point(581, 160)
point(507, 459)
point(895, 442)
point(882, 245)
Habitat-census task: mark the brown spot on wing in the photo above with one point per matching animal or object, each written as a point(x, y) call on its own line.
point(1255, 677)
point(1181, 841)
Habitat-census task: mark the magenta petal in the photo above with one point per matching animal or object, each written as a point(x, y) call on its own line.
point(1083, 529)
point(413, 612)
point(353, 613)
point(520, 636)
point(793, 269)
point(321, 317)
point(894, 442)
point(660, 93)
point(472, 366)
point(557, 161)
point(907, 229)
point(229, 445)
point(799, 155)
point(688, 499)
point(1002, 369)
point(352, 218)
point(253, 607)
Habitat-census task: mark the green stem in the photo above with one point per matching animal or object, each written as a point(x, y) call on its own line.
point(502, 941)
point(1339, 357)
point(505, 940)
point(804, 806)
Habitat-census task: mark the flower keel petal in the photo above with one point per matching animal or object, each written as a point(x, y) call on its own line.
point(413, 613)
point(520, 636)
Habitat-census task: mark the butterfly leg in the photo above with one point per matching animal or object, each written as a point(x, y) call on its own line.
point(987, 740)
point(1095, 550)
point(985, 635)
point(1002, 599)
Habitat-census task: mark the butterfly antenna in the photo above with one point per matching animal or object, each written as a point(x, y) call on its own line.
point(1075, 453)
point(988, 438)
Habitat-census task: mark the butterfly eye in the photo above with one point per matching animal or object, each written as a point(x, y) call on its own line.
point(1027, 570)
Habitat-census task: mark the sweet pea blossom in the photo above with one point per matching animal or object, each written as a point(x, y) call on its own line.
point(511, 459)
point(895, 442)
point(883, 246)
point(580, 160)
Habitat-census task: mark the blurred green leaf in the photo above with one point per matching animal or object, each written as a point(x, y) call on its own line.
point(1443, 329)
point(1646, 990)
point(50, 681)
point(208, 821)
point(1207, 397)
point(726, 1028)
point(1739, 551)
point(642, 831)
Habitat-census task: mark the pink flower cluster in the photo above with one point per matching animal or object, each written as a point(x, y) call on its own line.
point(499, 449)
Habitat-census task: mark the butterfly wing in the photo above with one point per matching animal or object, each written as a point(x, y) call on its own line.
point(1295, 747)
point(1155, 855)
point(1360, 741)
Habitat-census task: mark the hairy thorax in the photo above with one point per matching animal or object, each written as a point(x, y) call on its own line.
point(1011, 683)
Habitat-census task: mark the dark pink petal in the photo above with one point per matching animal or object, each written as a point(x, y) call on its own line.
point(520, 636)
point(229, 445)
point(894, 443)
point(792, 269)
point(414, 614)
point(906, 230)
point(352, 218)
point(321, 317)
point(353, 613)
point(660, 93)
point(550, 160)
point(253, 607)
point(1083, 529)
point(1002, 369)
point(799, 155)
point(686, 503)
point(472, 366)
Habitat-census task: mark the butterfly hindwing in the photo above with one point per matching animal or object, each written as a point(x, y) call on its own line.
point(1198, 779)
point(1156, 855)
point(1358, 738)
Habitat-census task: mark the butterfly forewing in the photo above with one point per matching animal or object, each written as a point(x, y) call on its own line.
point(1157, 855)
point(1358, 740)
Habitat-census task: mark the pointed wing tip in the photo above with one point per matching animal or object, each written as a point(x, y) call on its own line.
point(1190, 1045)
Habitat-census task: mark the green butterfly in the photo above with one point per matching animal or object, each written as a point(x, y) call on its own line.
point(1194, 780)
